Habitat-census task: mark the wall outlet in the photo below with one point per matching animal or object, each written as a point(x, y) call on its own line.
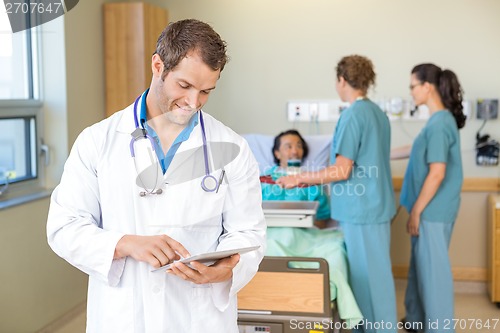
point(315, 110)
point(298, 111)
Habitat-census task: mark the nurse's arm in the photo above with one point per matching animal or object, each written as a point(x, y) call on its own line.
point(339, 171)
point(437, 172)
point(157, 250)
point(400, 153)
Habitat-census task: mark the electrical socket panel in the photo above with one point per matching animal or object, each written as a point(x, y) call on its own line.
point(315, 110)
point(298, 111)
point(328, 110)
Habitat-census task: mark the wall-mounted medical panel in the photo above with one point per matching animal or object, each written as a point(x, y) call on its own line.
point(315, 110)
point(329, 110)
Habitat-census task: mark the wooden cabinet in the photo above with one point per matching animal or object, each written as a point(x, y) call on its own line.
point(494, 248)
point(130, 34)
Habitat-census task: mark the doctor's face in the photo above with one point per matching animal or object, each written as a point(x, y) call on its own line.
point(184, 90)
point(290, 148)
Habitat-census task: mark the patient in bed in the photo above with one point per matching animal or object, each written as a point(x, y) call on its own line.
point(290, 149)
point(301, 242)
point(323, 241)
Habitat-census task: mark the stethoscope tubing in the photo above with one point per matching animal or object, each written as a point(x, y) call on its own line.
point(207, 179)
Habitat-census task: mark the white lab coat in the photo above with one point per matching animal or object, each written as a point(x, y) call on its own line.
point(97, 202)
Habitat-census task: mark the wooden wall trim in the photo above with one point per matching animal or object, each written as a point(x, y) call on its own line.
point(470, 184)
point(459, 273)
point(397, 182)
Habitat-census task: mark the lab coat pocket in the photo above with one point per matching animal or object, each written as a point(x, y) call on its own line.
point(112, 309)
point(204, 314)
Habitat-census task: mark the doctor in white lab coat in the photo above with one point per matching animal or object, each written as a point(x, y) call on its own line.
point(129, 203)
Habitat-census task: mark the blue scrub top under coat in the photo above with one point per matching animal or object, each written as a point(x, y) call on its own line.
point(363, 134)
point(310, 193)
point(165, 159)
point(438, 142)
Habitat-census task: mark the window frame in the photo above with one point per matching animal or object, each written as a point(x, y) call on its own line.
point(12, 109)
point(34, 188)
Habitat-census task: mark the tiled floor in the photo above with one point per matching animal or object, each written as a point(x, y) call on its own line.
point(471, 306)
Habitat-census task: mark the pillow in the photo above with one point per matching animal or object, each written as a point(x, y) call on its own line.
point(261, 146)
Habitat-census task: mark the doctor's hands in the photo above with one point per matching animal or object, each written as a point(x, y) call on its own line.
point(156, 250)
point(221, 271)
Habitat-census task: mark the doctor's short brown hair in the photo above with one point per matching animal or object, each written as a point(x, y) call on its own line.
point(181, 37)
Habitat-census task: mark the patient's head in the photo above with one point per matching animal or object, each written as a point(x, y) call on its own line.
point(289, 145)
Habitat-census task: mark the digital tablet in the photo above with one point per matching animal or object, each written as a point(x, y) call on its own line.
point(210, 257)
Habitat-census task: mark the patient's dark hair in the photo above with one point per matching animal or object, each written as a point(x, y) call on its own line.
point(277, 143)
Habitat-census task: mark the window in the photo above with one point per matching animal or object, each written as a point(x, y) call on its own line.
point(20, 106)
point(17, 148)
point(17, 60)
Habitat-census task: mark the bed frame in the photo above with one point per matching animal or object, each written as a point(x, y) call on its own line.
point(288, 295)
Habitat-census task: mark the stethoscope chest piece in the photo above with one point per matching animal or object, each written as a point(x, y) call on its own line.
point(209, 183)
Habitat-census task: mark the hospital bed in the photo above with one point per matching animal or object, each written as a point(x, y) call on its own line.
point(287, 236)
point(284, 298)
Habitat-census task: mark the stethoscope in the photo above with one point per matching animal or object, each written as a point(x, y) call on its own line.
point(209, 183)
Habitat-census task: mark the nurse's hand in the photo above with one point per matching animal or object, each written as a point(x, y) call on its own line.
point(413, 224)
point(288, 181)
point(156, 250)
point(221, 271)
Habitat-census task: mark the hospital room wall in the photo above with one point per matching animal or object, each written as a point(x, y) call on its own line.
point(283, 50)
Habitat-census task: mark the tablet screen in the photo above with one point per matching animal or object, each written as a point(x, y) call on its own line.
point(210, 257)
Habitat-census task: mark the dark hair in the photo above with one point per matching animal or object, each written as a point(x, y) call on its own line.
point(181, 37)
point(277, 143)
point(448, 87)
point(357, 71)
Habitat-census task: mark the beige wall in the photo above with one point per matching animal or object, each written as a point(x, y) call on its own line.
point(36, 285)
point(280, 50)
point(287, 49)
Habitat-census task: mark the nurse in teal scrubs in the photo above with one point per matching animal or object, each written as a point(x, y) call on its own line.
point(362, 196)
point(431, 194)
